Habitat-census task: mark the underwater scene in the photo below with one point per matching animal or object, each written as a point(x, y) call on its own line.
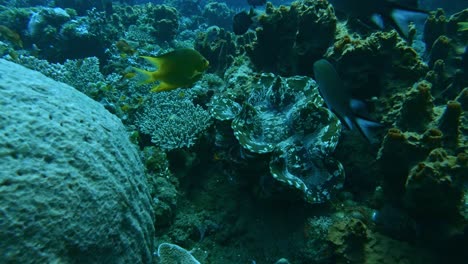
point(234, 132)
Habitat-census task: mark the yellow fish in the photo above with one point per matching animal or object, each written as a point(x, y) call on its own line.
point(462, 26)
point(178, 68)
point(11, 36)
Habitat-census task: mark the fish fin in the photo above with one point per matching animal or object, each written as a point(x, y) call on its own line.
point(144, 76)
point(364, 126)
point(153, 60)
point(400, 18)
point(358, 106)
point(378, 20)
point(462, 26)
point(196, 75)
point(348, 122)
point(252, 12)
point(163, 87)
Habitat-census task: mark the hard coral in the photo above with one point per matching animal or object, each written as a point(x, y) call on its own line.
point(218, 47)
point(419, 166)
point(218, 14)
point(444, 42)
point(417, 100)
point(287, 41)
point(450, 123)
point(380, 62)
point(82, 167)
point(172, 121)
point(164, 21)
point(432, 191)
point(348, 237)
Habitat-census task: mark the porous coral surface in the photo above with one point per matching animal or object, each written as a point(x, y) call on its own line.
point(72, 187)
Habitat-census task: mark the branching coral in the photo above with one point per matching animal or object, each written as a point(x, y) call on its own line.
point(173, 121)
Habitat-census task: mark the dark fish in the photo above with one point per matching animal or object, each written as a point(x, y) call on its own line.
point(255, 3)
point(242, 22)
point(382, 13)
point(338, 98)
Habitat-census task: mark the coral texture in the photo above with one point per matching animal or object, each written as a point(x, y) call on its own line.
point(287, 41)
point(218, 47)
point(72, 187)
point(218, 14)
point(434, 186)
point(173, 121)
point(164, 21)
point(284, 116)
point(171, 253)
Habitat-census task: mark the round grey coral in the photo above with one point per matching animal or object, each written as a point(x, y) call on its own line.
point(72, 186)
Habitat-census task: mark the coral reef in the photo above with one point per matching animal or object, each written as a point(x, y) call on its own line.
point(376, 65)
point(72, 36)
point(82, 6)
point(348, 237)
point(84, 75)
point(250, 147)
point(171, 253)
point(162, 184)
point(218, 14)
point(427, 182)
point(434, 187)
point(317, 248)
point(218, 47)
point(417, 100)
point(287, 42)
point(164, 21)
point(59, 204)
point(172, 121)
point(284, 117)
point(446, 48)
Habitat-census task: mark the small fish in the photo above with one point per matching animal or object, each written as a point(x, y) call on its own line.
point(11, 36)
point(394, 13)
point(255, 3)
point(462, 26)
point(242, 22)
point(178, 68)
point(338, 98)
point(124, 48)
point(129, 75)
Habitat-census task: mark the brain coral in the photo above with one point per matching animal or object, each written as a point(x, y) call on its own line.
point(72, 186)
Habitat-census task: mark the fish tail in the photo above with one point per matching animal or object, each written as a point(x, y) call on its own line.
point(400, 19)
point(364, 126)
point(144, 76)
point(462, 26)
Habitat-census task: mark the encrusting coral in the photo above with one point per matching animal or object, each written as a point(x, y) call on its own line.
point(297, 47)
point(217, 45)
point(434, 187)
